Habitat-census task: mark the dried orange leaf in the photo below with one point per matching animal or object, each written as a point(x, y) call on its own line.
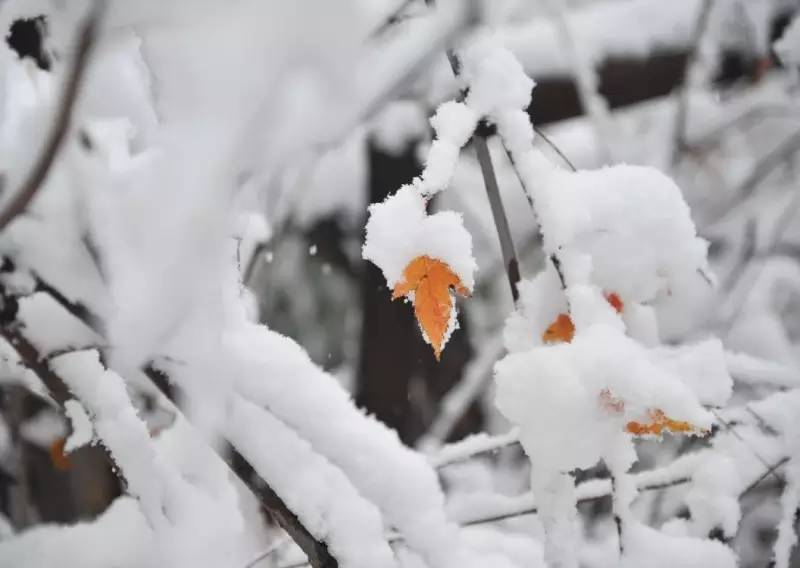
point(659, 422)
point(430, 281)
point(59, 459)
point(615, 301)
point(562, 330)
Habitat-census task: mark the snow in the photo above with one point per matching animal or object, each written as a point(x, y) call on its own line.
point(318, 492)
point(473, 445)
point(51, 328)
point(175, 506)
point(82, 432)
point(399, 230)
point(120, 429)
point(565, 390)
point(788, 45)
point(634, 224)
point(649, 547)
point(396, 479)
point(119, 537)
point(399, 124)
point(43, 428)
point(495, 78)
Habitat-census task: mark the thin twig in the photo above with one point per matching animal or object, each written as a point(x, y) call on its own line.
point(539, 132)
point(714, 137)
point(589, 499)
point(495, 201)
point(617, 516)
point(585, 76)
point(747, 253)
point(473, 446)
point(395, 17)
point(781, 226)
point(682, 112)
point(532, 510)
point(460, 397)
point(87, 37)
point(499, 214)
point(730, 428)
point(771, 471)
point(273, 548)
point(767, 165)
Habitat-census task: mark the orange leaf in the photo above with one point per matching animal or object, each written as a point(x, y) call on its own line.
point(59, 459)
point(560, 331)
point(430, 280)
point(659, 422)
point(615, 301)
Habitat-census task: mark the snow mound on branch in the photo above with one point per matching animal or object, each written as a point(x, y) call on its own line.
point(322, 497)
point(634, 224)
point(496, 79)
point(272, 371)
point(399, 230)
point(555, 395)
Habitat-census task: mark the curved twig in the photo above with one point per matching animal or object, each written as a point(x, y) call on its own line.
point(38, 174)
point(539, 132)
